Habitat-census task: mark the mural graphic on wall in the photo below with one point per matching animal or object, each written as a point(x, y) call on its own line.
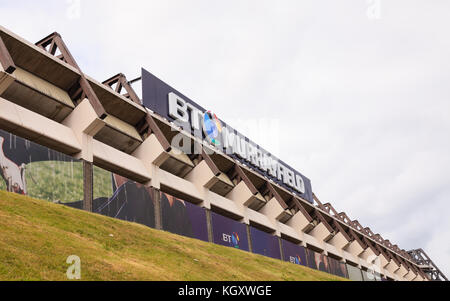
point(119, 197)
point(317, 261)
point(130, 201)
point(183, 218)
point(37, 171)
point(337, 268)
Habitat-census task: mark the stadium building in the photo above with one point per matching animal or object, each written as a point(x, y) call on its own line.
point(166, 162)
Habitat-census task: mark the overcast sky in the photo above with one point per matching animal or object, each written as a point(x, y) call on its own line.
point(358, 91)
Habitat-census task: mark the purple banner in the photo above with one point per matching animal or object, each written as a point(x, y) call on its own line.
point(228, 232)
point(294, 253)
point(265, 244)
point(183, 218)
point(354, 273)
point(337, 268)
point(317, 261)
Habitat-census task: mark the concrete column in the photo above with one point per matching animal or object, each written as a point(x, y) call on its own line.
point(249, 236)
point(157, 205)
point(281, 248)
point(209, 225)
point(88, 183)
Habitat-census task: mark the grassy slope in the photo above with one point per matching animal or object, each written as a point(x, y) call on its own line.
point(36, 237)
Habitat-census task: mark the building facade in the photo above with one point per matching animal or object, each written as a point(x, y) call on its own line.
point(70, 139)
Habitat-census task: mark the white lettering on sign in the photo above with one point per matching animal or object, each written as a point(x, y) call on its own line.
point(226, 237)
point(234, 144)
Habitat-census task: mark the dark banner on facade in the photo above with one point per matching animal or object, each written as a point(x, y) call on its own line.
point(370, 275)
point(337, 268)
point(354, 273)
point(158, 96)
point(264, 243)
point(183, 218)
point(119, 197)
point(317, 261)
point(37, 171)
point(294, 253)
point(228, 232)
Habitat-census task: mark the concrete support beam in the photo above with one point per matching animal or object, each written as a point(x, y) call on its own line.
point(300, 223)
point(368, 255)
point(280, 242)
point(273, 209)
point(158, 212)
point(320, 232)
point(37, 128)
point(152, 150)
point(88, 182)
point(312, 241)
point(419, 278)
point(259, 218)
point(391, 267)
point(209, 225)
point(383, 261)
point(338, 241)
point(249, 236)
point(5, 80)
point(242, 195)
point(289, 231)
point(330, 249)
point(85, 123)
point(401, 272)
point(119, 162)
point(354, 248)
point(202, 176)
point(410, 276)
point(225, 204)
point(6, 60)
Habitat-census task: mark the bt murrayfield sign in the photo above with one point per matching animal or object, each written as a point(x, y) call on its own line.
point(174, 106)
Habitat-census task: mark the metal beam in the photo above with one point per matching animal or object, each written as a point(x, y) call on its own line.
point(320, 218)
point(273, 193)
point(122, 82)
point(6, 59)
point(238, 173)
point(215, 170)
point(153, 128)
point(56, 42)
point(302, 209)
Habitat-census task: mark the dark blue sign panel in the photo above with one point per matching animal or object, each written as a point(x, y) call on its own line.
point(183, 218)
point(230, 233)
point(354, 273)
point(337, 268)
point(294, 253)
point(156, 95)
point(265, 244)
point(119, 197)
point(317, 261)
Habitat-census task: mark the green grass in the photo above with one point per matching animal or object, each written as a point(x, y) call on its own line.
point(36, 237)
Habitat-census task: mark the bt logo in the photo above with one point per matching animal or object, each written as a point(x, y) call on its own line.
point(232, 239)
point(212, 127)
point(296, 259)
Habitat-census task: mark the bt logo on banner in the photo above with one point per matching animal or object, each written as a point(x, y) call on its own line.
point(233, 239)
point(296, 259)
